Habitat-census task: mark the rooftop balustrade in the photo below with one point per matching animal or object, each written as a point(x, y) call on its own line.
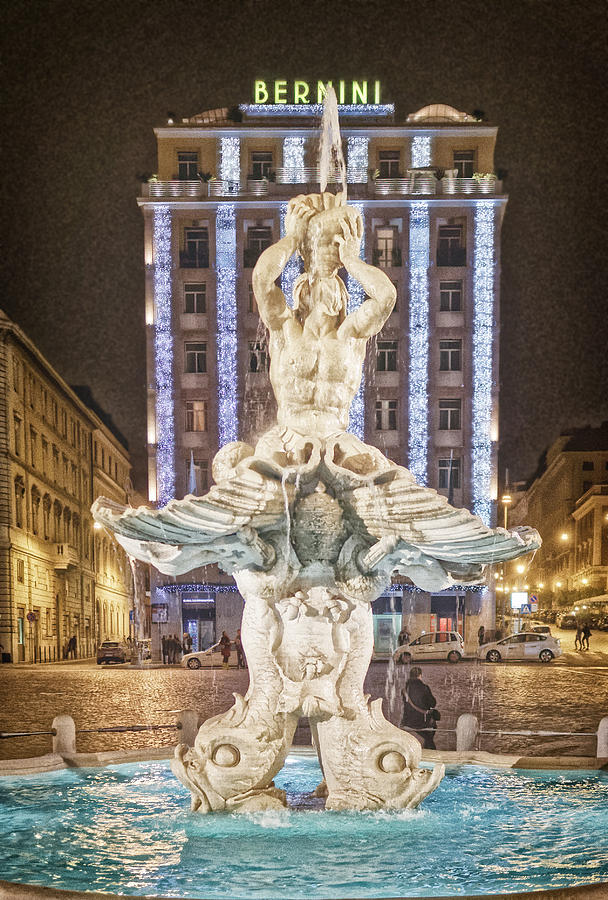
point(411, 185)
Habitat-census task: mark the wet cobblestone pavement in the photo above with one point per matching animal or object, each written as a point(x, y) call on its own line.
point(568, 695)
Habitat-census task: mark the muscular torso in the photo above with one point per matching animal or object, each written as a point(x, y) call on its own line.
point(314, 378)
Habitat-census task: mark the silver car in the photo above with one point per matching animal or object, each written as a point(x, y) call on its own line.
point(525, 645)
point(208, 658)
point(435, 645)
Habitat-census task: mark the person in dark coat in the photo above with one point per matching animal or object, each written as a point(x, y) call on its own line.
point(481, 635)
point(404, 636)
point(417, 703)
point(586, 636)
point(238, 646)
point(225, 645)
point(165, 652)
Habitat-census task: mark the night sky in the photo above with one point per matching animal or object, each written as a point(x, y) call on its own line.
point(87, 81)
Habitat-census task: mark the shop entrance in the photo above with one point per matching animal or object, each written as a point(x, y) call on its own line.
point(447, 612)
point(198, 616)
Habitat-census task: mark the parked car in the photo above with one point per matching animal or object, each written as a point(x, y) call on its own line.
point(567, 620)
point(541, 629)
point(436, 645)
point(112, 651)
point(603, 624)
point(208, 658)
point(525, 645)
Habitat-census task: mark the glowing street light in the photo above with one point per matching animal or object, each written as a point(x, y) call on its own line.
point(564, 536)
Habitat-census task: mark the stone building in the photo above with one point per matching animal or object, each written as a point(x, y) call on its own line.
point(567, 501)
point(59, 577)
point(432, 209)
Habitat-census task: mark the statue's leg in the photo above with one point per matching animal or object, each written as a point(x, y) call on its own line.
point(368, 763)
point(237, 754)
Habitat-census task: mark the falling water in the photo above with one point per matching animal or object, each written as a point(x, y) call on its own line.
point(331, 157)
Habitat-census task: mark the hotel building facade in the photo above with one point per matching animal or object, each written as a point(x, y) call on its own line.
point(60, 577)
point(432, 210)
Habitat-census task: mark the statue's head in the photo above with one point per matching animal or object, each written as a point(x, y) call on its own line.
point(317, 221)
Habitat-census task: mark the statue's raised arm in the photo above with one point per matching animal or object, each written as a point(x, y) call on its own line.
point(368, 319)
point(272, 306)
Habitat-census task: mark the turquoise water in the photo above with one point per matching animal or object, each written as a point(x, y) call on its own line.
point(128, 829)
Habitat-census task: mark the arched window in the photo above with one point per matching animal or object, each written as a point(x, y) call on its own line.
point(46, 517)
point(57, 512)
point(35, 494)
point(19, 495)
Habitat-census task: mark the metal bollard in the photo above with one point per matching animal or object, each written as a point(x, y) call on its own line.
point(64, 740)
point(187, 721)
point(602, 739)
point(467, 729)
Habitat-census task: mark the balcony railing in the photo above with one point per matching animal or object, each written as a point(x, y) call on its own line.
point(65, 555)
point(412, 184)
point(164, 190)
point(470, 185)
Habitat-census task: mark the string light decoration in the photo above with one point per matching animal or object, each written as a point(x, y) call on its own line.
point(316, 109)
point(356, 418)
point(421, 151)
point(198, 587)
point(418, 433)
point(483, 335)
point(293, 158)
point(230, 162)
point(163, 356)
point(226, 336)
point(357, 154)
point(292, 269)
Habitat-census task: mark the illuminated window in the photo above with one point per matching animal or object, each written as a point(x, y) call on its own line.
point(464, 163)
point(261, 164)
point(386, 252)
point(259, 359)
point(450, 356)
point(196, 415)
point(386, 415)
point(187, 165)
point(388, 163)
point(196, 358)
point(449, 474)
point(450, 296)
point(195, 298)
point(451, 250)
point(386, 360)
point(259, 237)
point(19, 495)
point(450, 415)
point(195, 254)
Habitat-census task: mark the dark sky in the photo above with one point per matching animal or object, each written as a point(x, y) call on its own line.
point(88, 81)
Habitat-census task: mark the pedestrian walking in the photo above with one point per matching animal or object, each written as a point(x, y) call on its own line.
point(72, 647)
point(404, 635)
point(578, 640)
point(419, 709)
point(240, 655)
point(225, 646)
point(187, 642)
point(586, 636)
point(481, 635)
point(164, 649)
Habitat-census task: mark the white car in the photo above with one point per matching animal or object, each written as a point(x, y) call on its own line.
point(210, 657)
point(525, 645)
point(435, 645)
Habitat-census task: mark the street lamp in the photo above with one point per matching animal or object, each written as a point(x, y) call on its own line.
point(564, 536)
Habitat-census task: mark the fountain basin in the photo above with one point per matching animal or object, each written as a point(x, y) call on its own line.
point(128, 829)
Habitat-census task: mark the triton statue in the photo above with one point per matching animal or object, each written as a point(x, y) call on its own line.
point(312, 522)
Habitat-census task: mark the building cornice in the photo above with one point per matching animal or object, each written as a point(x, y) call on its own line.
point(177, 132)
point(380, 203)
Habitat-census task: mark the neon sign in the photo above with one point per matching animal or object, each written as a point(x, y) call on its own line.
point(302, 92)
